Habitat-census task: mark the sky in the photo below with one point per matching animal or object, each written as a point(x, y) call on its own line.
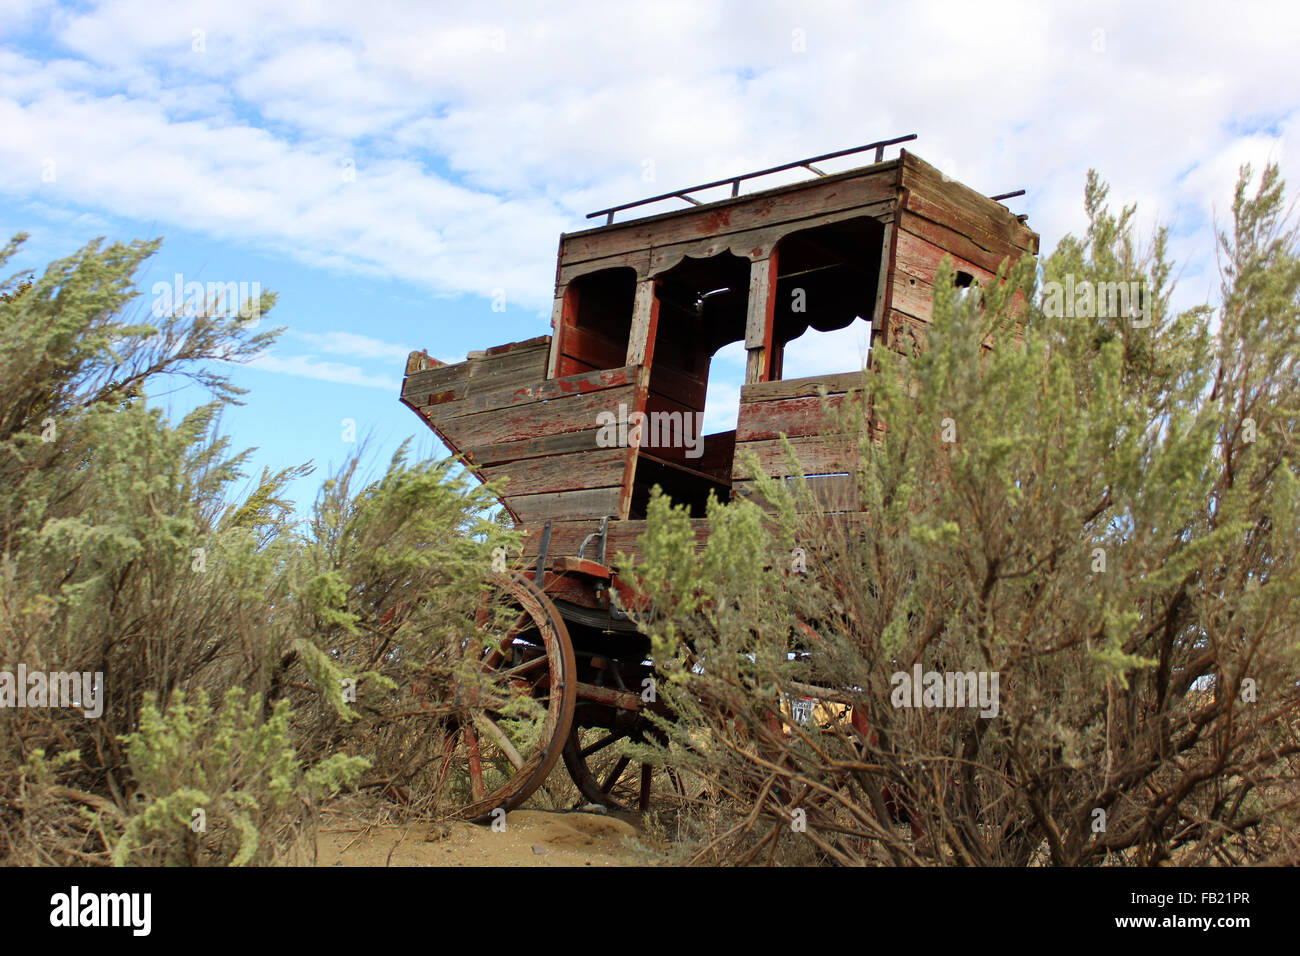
point(400, 173)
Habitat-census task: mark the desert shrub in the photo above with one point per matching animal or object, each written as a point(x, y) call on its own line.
point(128, 550)
point(220, 787)
point(391, 580)
point(1109, 529)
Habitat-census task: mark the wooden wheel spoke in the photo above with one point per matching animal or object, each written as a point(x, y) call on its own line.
point(493, 656)
point(489, 726)
point(602, 743)
point(475, 762)
point(615, 774)
point(647, 772)
point(541, 660)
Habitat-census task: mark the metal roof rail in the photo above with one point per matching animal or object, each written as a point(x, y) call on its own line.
point(735, 181)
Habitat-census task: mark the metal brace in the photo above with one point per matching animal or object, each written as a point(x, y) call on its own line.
point(540, 576)
point(601, 536)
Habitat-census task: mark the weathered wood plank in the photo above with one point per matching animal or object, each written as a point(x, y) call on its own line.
point(671, 383)
point(589, 346)
point(920, 259)
point(749, 243)
point(817, 455)
point(800, 387)
point(418, 386)
point(793, 417)
point(913, 296)
point(902, 326)
point(492, 368)
point(598, 468)
point(587, 503)
point(490, 373)
point(530, 420)
point(522, 392)
point(638, 260)
point(882, 282)
point(959, 207)
point(645, 313)
point(955, 243)
point(759, 309)
point(759, 243)
point(562, 444)
point(826, 493)
point(539, 342)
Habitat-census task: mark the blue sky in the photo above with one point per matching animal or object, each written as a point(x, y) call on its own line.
point(388, 168)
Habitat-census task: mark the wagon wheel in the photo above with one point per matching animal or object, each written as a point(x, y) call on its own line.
point(514, 694)
point(585, 743)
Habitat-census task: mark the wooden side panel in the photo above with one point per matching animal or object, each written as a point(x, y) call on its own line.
point(482, 371)
point(949, 203)
point(829, 493)
point(564, 443)
point(597, 468)
point(905, 331)
point(939, 217)
point(680, 387)
point(792, 416)
point(444, 383)
point(507, 421)
point(527, 420)
point(954, 243)
point(589, 503)
point(817, 455)
point(920, 258)
point(801, 387)
point(913, 296)
point(519, 392)
point(806, 412)
point(585, 347)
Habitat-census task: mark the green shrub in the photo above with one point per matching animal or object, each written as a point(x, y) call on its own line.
point(1112, 533)
point(220, 788)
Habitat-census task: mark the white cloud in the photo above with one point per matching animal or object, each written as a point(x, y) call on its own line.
point(478, 136)
point(721, 405)
point(828, 353)
point(305, 366)
point(360, 346)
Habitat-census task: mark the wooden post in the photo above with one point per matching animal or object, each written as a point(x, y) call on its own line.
point(557, 323)
point(881, 308)
point(758, 321)
point(645, 318)
point(640, 352)
point(564, 315)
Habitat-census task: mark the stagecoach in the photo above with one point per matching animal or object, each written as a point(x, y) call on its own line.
point(642, 306)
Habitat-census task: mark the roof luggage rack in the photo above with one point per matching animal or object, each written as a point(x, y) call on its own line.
point(735, 181)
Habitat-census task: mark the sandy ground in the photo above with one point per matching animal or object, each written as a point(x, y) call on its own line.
point(530, 838)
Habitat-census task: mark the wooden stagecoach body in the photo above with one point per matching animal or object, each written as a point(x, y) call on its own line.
point(641, 307)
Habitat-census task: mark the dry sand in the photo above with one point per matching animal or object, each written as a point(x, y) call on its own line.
point(530, 838)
